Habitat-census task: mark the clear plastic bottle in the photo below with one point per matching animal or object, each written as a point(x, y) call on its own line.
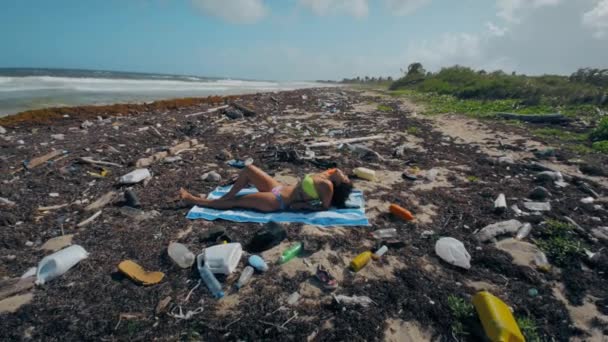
point(541, 261)
point(180, 254)
point(365, 173)
point(135, 176)
point(380, 252)
point(523, 231)
point(385, 233)
point(245, 277)
point(208, 278)
point(291, 252)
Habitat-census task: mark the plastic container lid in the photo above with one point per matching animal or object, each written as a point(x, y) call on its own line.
point(223, 258)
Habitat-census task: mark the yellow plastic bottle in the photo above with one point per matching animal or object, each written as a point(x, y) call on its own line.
point(360, 261)
point(365, 173)
point(496, 318)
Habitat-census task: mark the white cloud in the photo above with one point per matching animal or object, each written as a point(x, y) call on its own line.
point(496, 30)
point(234, 11)
point(356, 8)
point(597, 19)
point(511, 10)
point(404, 7)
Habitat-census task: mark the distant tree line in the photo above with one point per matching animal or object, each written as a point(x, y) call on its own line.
point(585, 86)
point(367, 79)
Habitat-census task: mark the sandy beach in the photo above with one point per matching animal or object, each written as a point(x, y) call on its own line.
point(409, 286)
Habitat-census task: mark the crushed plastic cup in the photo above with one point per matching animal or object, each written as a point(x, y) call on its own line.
point(181, 255)
point(54, 265)
point(453, 252)
point(135, 176)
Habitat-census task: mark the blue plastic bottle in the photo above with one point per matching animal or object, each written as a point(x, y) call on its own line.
point(210, 280)
point(258, 263)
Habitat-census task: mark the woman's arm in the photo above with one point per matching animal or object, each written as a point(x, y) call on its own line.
point(325, 190)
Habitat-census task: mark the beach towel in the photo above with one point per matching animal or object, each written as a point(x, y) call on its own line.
point(353, 215)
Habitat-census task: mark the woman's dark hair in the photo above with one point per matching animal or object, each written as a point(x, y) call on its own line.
point(341, 193)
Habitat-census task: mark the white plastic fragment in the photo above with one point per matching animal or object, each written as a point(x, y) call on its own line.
point(135, 176)
point(353, 300)
point(493, 230)
point(56, 264)
point(453, 252)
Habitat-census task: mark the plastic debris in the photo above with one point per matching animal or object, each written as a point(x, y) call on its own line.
point(223, 258)
point(537, 206)
point(500, 204)
point(360, 261)
point(493, 230)
point(135, 176)
point(208, 277)
point(180, 254)
point(453, 252)
point(56, 264)
point(245, 277)
point(496, 318)
point(291, 252)
point(138, 274)
point(364, 301)
point(258, 263)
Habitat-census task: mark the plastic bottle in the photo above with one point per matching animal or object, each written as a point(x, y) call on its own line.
point(360, 261)
point(180, 254)
point(540, 259)
point(365, 173)
point(401, 212)
point(523, 231)
point(291, 252)
point(208, 278)
point(496, 318)
point(245, 277)
point(56, 264)
point(258, 263)
point(380, 252)
point(385, 233)
point(135, 176)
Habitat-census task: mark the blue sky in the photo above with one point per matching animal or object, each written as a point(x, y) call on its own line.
point(304, 39)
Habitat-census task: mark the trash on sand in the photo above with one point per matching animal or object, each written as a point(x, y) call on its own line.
point(346, 141)
point(291, 252)
point(385, 233)
point(541, 261)
point(537, 206)
point(364, 153)
point(532, 292)
point(5, 202)
point(208, 278)
point(89, 160)
point(431, 175)
point(223, 258)
point(162, 305)
point(360, 261)
point(31, 272)
point(239, 164)
point(269, 236)
point(42, 159)
point(380, 252)
point(131, 199)
point(138, 274)
point(523, 231)
point(245, 277)
point(135, 176)
point(258, 263)
point(212, 234)
point(500, 204)
point(496, 318)
point(547, 176)
point(293, 298)
point(453, 252)
point(102, 201)
point(56, 264)
point(169, 160)
point(89, 220)
point(58, 136)
point(244, 109)
point(364, 301)
point(365, 173)
point(401, 212)
point(516, 210)
point(587, 200)
point(180, 254)
point(539, 193)
point(211, 176)
point(185, 316)
point(500, 228)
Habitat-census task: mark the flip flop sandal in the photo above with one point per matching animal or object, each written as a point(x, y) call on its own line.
point(329, 282)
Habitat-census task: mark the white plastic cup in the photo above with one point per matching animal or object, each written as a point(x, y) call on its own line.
point(56, 264)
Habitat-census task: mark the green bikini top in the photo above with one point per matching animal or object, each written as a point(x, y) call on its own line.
point(308, 185)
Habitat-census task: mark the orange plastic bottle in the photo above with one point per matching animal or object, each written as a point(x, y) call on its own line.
point(400, 212)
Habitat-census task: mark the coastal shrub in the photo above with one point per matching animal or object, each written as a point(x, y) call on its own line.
point(600, 146)
point(600, 133)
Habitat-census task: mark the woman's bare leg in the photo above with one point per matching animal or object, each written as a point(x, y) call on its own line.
point(251, 175)
point(260, 201)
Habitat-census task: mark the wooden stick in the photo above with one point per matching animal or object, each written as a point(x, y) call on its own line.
point(53, 207)
point(43, 159)
point(211, 110)
point(347, 141)
point(90, 160)
point(89, 220)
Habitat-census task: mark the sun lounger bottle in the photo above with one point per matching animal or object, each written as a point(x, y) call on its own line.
point(291, 252)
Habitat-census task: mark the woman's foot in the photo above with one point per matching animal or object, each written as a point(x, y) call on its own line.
point(187, 197)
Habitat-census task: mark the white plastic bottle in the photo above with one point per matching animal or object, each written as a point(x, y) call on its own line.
point(385, 233)
point(56, 264)
point(380, 252)
point(245, 277)
point(135, 176)
point(180, 254)
point(365, 173)
point(523, 231)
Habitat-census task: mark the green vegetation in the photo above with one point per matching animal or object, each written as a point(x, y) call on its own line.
point(560, 243)
point(472, 179)
point(561, 134)
point(601, 146)
point(413, 130)
point(385, 108)
point(461, 310)
point(600, 133)
point(527, 325)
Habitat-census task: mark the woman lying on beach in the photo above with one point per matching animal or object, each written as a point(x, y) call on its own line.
point(315, 192)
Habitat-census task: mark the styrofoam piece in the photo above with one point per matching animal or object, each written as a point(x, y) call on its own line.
point(223, 258)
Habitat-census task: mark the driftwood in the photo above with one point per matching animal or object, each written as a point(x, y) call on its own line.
point(211, 110)
point(546, 118)
point(246, 110)
point(346, 141)
point(89, 220)
point(43, 159)
point(102, 201)
point(89, 160)
point(13, 286)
